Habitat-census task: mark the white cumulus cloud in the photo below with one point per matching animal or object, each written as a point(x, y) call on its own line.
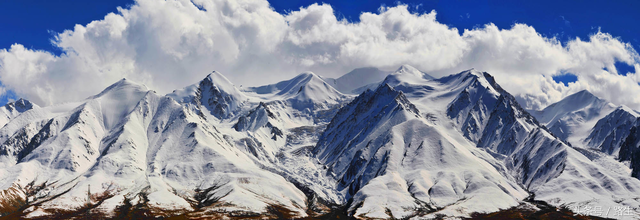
point(170, 44)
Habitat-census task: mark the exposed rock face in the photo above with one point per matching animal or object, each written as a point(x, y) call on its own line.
point(630, 150)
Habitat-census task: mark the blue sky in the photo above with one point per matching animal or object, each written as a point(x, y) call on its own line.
point(33, 23)
point(30, 22)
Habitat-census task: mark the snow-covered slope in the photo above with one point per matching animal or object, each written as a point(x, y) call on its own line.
point(215, 94)
point(409, 80)
point(128, 144)
point(387, 157)
point(357, 78)
point(405, 74)
point(543, 164)
point(609, 133)
point(546, 166)
point(590, 122)
point(408, 72)
point(618, 135)
point(413, 146)
point(279, 116)
point(571, 118)
point(306, 90)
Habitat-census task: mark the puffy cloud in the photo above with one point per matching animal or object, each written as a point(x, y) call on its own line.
point(170, 44)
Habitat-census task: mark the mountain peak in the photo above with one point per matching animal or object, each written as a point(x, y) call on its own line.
point(126, 82)
point(358, 80)
point(20, 105)
point(471, 79)
point(461, 76)
point(309, 87)
point(381, 90)
point(473, 72)
point(385, 88)
point(629, 110)
point(369, 109)
point(122, 84)
point(568, 118)
point(583, 92)
point(583, 95)
point(386, 91)
point(23, 105)
point(407, 70)
point(308, 74)
point(407, 76)
point(306, 78)
point(574, 102)
point(303, 91)
point(220, 80)
point(611, 131)
point(217, 94)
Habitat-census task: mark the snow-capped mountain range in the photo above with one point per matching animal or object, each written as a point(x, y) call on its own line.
point(592, 124)
point(370, 144)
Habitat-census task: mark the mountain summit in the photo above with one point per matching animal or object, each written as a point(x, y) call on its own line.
point(352, 82)
point(307, 90)
point(572, 115)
